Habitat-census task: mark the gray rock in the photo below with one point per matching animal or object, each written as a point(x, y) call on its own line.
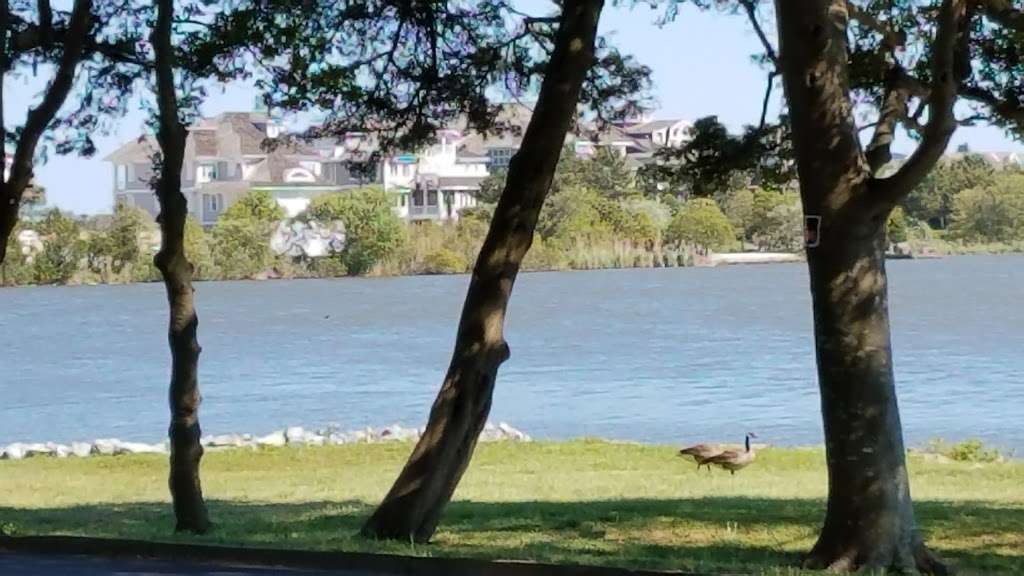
point(273, 439)
point(338, 438)
point(14, 451)
point(511, 433)
point(105, 446)
point(36, 449)
point(313, 439)
point(225, 441)
point(396, 433)
point(139, 448)
point(294, 434)
point(81, 449)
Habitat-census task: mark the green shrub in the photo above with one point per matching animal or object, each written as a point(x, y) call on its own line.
point(972, 450)
point(700, 222)
point(445, 261)
point(373, 233)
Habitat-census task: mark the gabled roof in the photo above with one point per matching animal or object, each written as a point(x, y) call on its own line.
point(138, 150)
point(650, 127)
point(273, 168)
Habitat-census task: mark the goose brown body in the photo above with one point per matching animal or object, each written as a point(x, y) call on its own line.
point(733, 460)
point(701, 453)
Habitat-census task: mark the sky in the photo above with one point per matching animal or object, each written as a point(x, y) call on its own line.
point(701, 66)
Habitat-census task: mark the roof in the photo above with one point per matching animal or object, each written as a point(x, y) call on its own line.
point(273, 168)
point(449, 182)
point(205, 141)
point(649, 127)
point(138, 150)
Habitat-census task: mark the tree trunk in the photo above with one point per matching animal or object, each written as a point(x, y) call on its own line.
point(185, 433)
point(869, 522)
point(413, 507)
point(13, 187)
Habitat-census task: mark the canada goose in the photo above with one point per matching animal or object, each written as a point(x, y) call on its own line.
point(733, 460)
point(701, 453)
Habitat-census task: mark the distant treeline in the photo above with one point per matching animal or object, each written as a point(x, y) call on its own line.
point(597, 216)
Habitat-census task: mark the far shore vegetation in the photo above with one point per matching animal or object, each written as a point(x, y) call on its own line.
point(600, 214)
point(580, 502)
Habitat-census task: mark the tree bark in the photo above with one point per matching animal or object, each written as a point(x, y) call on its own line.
point(869, 523)
point(185, 433)
point(413, 507)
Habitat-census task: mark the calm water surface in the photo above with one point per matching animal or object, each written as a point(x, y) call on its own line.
point(657, 355)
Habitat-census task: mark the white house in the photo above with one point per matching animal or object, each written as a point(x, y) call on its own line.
point(224, 160)
point(438, 181)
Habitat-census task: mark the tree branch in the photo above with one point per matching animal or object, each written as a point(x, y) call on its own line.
point(751, 7)
point(31, 37)
point(767, 97)
point(893, 40)
point(891, 113)
point(45, 22)
point(1003, 13)
point(1003, 108)
point(40, 117)
point(948, 49)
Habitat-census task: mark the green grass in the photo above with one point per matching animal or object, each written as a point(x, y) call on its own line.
point(581, 502)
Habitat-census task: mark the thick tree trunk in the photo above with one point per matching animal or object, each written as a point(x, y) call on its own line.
point(413, 507)
point(869, 522)
point(185, 433)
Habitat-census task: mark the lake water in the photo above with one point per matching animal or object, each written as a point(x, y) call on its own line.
point(669, 355)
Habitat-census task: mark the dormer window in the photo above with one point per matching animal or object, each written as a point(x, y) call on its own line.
point(208, 172)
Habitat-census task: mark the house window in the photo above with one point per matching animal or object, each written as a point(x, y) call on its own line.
point(122, 176)
point(417, 197)
point(213, 203)
point(500, 157)
point(432, 198)
point(401, 200)
point(207, 172)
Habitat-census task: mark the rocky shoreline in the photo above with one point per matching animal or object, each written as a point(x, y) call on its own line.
point(291, 436)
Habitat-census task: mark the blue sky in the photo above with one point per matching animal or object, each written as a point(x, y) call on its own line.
point(701, 65)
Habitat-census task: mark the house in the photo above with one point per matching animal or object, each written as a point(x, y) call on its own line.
point(660, 133)
point(225, 158)
point(635, 140)
point(438, 181)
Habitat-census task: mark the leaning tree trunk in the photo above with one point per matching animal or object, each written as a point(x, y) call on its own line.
point(39, 118)
point(185, 433)
point(413, 507)
point(869, 522)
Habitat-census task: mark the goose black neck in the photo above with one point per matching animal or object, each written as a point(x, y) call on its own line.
point(748, 442)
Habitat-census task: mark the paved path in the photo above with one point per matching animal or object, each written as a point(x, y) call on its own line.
point(31, 565)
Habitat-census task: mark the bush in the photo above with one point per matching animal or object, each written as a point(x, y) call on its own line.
point(993, 213)
point(16, 268)
point(241, 248)
point(373, 233)
point(63, 249)
point(701, 223)
point(898, 227)
point(972, 450)
point(445, 261)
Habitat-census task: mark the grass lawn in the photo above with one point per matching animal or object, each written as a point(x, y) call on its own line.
point(581, 502)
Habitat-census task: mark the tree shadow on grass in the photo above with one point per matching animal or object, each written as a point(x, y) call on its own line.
point(707, 534)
